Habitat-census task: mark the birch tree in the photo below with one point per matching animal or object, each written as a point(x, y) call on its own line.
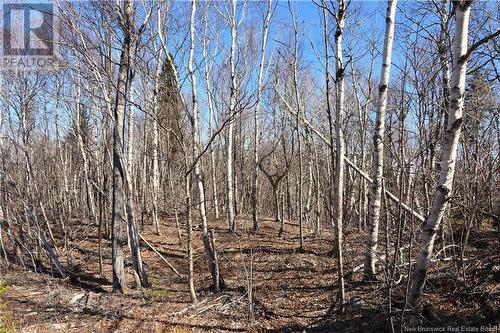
point(450, 143)
point(257, 132)
point(299, 111)
point(231, 114)
point(339, 135)
point(211, 116)
point(378, 147)
point(218, 281)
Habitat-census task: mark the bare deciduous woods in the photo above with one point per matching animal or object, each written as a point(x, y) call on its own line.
point(252, 165)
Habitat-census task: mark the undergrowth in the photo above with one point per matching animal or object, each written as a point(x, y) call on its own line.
point(6, 322)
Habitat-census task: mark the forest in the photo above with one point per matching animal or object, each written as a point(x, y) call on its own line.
point(249, 166)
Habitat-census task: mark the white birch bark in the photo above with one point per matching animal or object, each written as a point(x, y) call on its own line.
point(192, 290)
point(140, 275)
point(450, 144)
point(309, 180)
point(340, 169)
point(257, 132)
point(130, 131)
point(156, 135)
point(362, 116)
point(211, 119)
point(196, 143)
point(297, 128)
point(2, 178)
point(378, 146)
point(317, 228)
point(1, 160)
point(88, 187)
point(444, 60)
point(195, 121)
point(230, 131)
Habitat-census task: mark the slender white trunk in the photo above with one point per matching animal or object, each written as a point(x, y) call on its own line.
point(317, 229)
point(330, 142)
point(297, 128)
point(130, 133)
point(351, 163)
point(362, 118)
point(2, 179)
point(195, 121)
point(309, 180)
point(195, 126)
point(156, 136)
point(211, 119)
point(196, 137)
point(1, 161)
point(450, 144)
point(32, 191)
point(230, 131)
point(192, 290)
point(176, 214)
point(79, 135)
point(65, 197)
point(257, 133)
point(140, 275)
point(378, 146)
point(340, 169)
point(214, 175)
point(443, 58)
point(155, 170)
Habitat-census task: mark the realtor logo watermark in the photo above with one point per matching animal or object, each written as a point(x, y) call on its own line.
point(29, 33)
point(449, 328)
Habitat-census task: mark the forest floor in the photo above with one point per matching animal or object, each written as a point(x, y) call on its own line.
point(293, 290)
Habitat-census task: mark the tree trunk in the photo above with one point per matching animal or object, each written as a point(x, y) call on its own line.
point(155, 143)
point(211, 118)
point(119, 215)
point(192, 291)
point(257, 133)
point(450, 144)
point(339, 170)
point(79, 135)
point(369, 270)
point(230, 131)
point(195, 126)
point(297, 128)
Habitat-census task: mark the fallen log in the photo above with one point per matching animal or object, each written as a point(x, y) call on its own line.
point(161, 256)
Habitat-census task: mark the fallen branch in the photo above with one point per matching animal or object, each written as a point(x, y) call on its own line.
point(160, 255)
point(192, 306)
point(351, 164)
point(214, 303)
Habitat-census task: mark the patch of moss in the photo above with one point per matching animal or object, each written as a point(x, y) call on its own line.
point(153, 280)
point(3, 288)
point(155, 293)
point(6, 323)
